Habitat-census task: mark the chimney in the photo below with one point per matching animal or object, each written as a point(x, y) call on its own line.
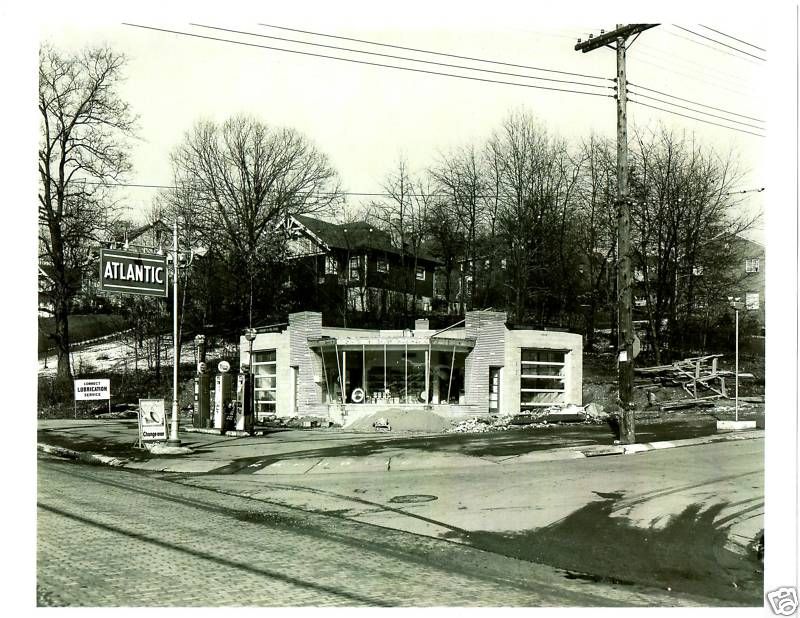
point(421, 325)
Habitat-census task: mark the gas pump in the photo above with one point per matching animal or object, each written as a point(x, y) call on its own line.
point(201, 417)
point(244, 400)
point(222, 395)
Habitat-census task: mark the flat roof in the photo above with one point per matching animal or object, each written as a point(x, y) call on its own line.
point(380, 341)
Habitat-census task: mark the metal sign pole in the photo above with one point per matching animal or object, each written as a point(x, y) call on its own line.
point(174, 440)
point(736, 405)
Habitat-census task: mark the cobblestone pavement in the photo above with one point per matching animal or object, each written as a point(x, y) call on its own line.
point(108, 537)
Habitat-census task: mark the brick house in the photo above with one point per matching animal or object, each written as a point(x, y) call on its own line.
point(748, 277)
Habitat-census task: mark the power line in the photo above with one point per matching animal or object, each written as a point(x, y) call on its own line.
point(741, 51)
point(375, 64)
point(686, 63)
point(693, 103)
point(759, 190)
point(425, 51)
point(107, 183)
point(700, 78)
point(697, 111)
point(695, 118)
point(716, 49)
point(733, 37)
point(442, 64)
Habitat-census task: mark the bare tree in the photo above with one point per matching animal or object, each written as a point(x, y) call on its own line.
point(595, 230)
point(460, 176)
point(537, 179)
point(405, 215)
point(245, 178)
point(682, 204)
point(448, 241)
point(83, 125)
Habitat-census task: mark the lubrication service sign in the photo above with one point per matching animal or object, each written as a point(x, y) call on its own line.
point(92, 389)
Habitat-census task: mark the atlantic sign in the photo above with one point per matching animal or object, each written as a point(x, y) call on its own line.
point(133, 273)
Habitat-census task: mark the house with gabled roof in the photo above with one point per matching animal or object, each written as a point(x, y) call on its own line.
point(358, 266)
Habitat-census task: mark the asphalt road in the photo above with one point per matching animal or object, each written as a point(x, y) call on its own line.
point(685, 518)
point(110, 537)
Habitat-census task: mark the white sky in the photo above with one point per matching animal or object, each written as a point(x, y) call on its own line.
point(365, 117)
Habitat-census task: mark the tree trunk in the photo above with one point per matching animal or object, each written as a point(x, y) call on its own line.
point(61, 317)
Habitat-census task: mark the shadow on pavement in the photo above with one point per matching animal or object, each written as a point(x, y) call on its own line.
point(687, 554)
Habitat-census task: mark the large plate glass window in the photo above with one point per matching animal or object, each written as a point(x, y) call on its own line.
point(266, 386)
point(542, 378)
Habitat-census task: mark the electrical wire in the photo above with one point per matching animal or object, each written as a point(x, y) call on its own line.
point(106, 183)
point(702, 36)
point(732, 37)
point(692, 102)
point(699, 78)
point(375, 64)
point(697, 111)
point(759, 190)
point(712, 47)
point(694, 118)
point(441, 64)
point(716, 49)
point(425, 51)
point(686, 63)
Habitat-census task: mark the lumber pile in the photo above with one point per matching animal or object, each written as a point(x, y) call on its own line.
point(697, 375)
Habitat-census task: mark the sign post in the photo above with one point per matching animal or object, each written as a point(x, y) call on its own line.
point(144, 274)
point(174, 440)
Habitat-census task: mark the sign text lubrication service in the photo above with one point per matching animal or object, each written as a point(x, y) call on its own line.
point(152, 420)
point(92, 389)
point(133, 273)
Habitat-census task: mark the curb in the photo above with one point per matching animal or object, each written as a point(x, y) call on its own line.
point(233, 433)
point(633, 449)
point(93, 458)
point(534, 456)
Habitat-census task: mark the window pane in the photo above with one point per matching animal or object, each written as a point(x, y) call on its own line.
point(542, 370)
point(542, 356)
point(395, 370)
point(528, 383)
point(375, 373)
point(264, 370)
point(264, 356)
point(265, 382)
point(265, 395)
point(330, 265)
point(416, 376)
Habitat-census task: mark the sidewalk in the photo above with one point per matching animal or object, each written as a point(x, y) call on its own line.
point(328, 451)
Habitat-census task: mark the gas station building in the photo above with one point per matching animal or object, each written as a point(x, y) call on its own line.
point(477, 367)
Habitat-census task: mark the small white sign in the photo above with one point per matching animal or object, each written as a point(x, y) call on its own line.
point(152, 420)
point(92, 389)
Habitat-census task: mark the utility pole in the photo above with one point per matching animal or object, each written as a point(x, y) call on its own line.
point(617, 40)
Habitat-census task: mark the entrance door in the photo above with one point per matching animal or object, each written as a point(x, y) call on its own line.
point(494, 389)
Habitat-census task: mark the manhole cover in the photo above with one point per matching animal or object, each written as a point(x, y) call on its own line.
point(413, 498)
